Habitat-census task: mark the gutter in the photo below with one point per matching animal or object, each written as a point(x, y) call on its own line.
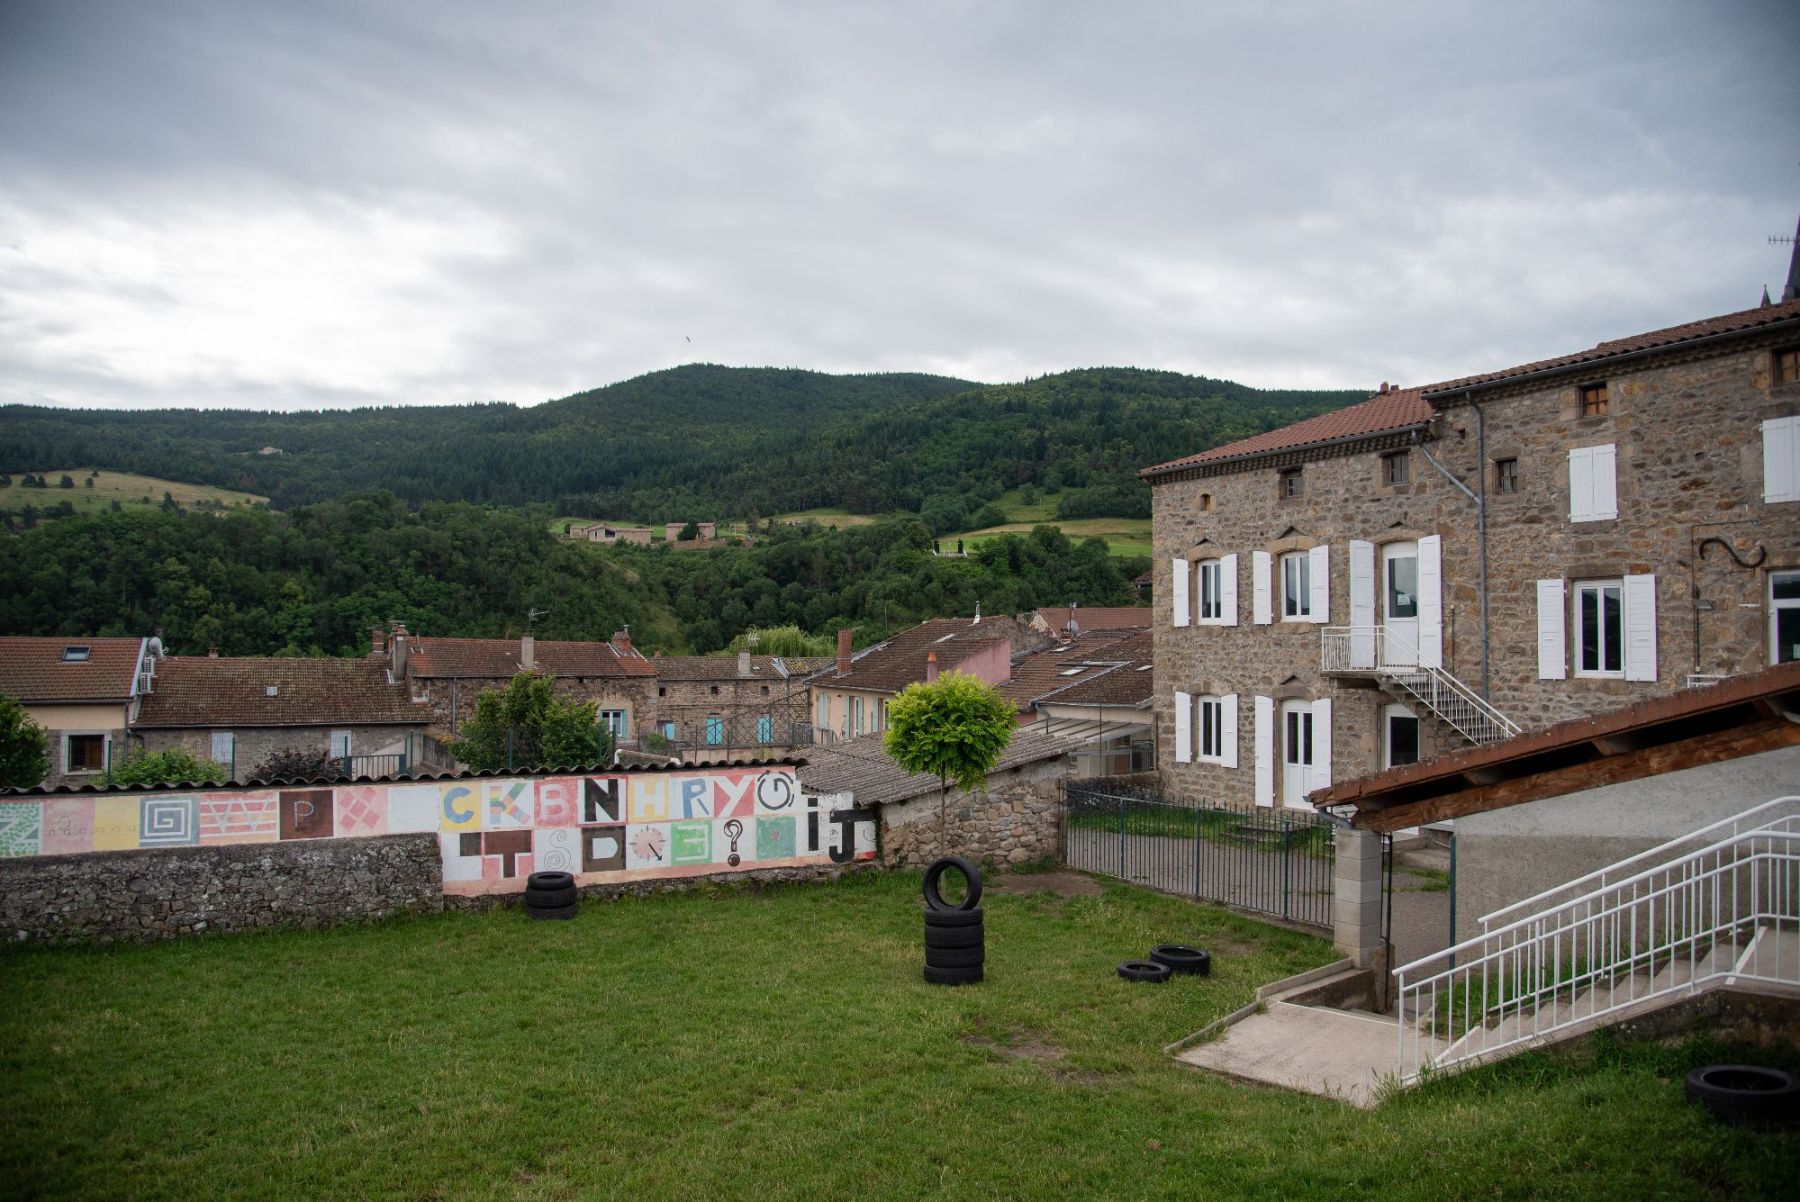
point(1170, 469)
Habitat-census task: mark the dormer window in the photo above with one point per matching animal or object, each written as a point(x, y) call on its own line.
point(76, 654)
point(1594, 401)
point(1293, 486)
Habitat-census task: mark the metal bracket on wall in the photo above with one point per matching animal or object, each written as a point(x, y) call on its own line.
point(1762, 552)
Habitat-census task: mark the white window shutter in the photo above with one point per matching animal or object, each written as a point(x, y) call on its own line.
point(1781, 459)
point(1228, 733)
point(1606, 481)
point(1553, 659)
point(1228, 590)
point(1321, 743)
point(1265, 751)
point(1362, 604)
point(1261, 570)
point(1320, 583)
point(1640, 627)
point(1180, 576)
point(1431, 601)
point(224, 747)
point(1581, 485)
point(1184, 728)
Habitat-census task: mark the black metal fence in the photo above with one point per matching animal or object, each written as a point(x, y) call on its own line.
point(1277, 862)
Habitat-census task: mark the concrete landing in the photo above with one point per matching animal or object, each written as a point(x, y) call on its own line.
point(1340, 1054)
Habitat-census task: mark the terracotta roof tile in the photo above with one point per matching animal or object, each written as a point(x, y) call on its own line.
point(35, 669)
point(199, 691)
point(1117, 617)
point(891, 666)
point(725, 667)
point(1056, 669)
point(1398, 410)
point(1132, 683)
point(862, 768)
point(493, 658)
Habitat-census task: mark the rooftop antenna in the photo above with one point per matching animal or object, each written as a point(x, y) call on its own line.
point(532, 615)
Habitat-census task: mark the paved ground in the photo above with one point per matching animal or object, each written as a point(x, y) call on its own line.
point(1421, 916)
point(1343, 1054)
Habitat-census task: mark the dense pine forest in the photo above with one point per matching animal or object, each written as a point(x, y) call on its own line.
point(312, 581)
point(697, 442)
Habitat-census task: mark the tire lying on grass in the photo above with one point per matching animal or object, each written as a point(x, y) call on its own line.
point(551, 898)
point(936, 937)
point(551, 895)
point(1748, 1095)
point(952, 976)
point(553, 912)
point(947, 919)
point(955, 957)
point(1145, 972)
point(550, 880)
point(1183, 959)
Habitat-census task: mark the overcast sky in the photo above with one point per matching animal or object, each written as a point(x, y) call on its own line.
point(326, 203)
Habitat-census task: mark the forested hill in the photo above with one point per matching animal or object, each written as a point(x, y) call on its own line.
point(699, 441)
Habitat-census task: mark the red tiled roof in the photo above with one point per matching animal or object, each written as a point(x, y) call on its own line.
point(891, 666)
point(493, 658)
point(1117, 617)
point(1729, 323)
point(1132, 683)
point(1380, 414)
point(200, 691)
point(725, 667)
point(33, 670)
point(1083, 657)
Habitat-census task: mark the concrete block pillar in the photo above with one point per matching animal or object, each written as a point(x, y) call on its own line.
point(1356, 898)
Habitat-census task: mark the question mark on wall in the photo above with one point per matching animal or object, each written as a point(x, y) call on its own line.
point(733, 831)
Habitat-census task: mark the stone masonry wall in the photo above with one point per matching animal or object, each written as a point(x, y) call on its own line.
point(1689, 467)
point(1017, 819)
point(161, 893)
point(254, 745)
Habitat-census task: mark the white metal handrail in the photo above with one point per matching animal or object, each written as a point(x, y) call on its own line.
point(1763, 814)
point(1727, 910)
point(1344, 648)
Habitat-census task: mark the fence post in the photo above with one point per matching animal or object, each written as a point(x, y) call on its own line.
point(1356, 896)
point(1287, 859)
point(1199, 816)
point(1121, 818)
point(509, 749)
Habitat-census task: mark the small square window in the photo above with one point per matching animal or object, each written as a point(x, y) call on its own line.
point(662, 691)
point(85, 753)
point(1293, 486)
point(1594, 401)
point(1506, 475)
point(715, 690)
point(1206, 502)
point(1396, 468)
point(75, 655)
point(1787, 366)
point(765, 690)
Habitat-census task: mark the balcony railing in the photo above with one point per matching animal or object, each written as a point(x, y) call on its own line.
point(1375, 651)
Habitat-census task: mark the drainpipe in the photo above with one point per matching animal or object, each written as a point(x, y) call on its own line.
point(1480, 520)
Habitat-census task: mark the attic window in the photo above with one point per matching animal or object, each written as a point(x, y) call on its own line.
point(1594, 401)
point(76, 655)
point(273, 690)
point(1293, 485)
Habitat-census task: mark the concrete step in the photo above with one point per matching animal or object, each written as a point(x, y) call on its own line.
point(1686, 966)
point(1774, 954)
point(1342, 1054)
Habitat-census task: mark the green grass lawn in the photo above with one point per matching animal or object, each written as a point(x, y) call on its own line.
point(126, 488)
point(771, 1045)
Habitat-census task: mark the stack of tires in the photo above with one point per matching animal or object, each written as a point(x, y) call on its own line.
point(955, 941)
point(550, 895)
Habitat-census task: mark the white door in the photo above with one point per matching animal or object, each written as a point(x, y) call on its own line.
point(1400, 603)
point(1296, 752)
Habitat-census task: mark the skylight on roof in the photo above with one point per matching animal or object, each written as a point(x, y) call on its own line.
point(1073, 671)
point(1142, 668)
point(76, 655)
point(946, 638)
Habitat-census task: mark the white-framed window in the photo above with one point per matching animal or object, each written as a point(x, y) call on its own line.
point(614, 720)
point(1212, 600)
point(224, 747)
point(1211, 743)
point(1784, 617)
point(1296, 587)
point(84, 753)
point(1593, 484)
point(1600, 628)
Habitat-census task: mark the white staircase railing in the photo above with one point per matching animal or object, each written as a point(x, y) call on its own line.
point(1375, 651)
point(1728, 911)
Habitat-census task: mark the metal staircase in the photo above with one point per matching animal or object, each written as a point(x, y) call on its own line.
point(1718, 907)
point(1373, 652)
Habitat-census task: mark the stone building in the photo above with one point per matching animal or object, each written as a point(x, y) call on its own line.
point(724, 707)
point(1446, 565)
point(448, 674)
point(240, 711)
point(850, 698)
point(1096, 691)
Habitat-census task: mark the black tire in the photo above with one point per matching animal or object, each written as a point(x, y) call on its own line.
point(955, 957)
point(1146, 972)
point(972, 874)
point(974, 936)
point(550, 880)
point(1183, 959)
point(952, 976)
point(1746, 1094)
point(552, 912)
point(551, 898)
point(945, 919)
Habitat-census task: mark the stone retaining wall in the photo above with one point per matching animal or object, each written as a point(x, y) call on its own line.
point(159, 893)
point(1017, 819)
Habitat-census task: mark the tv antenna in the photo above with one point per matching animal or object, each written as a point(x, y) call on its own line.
point(532, 615)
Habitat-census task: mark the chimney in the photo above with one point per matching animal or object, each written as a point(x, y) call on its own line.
point(397, 651)
point(744, 664)
point(212, 652)
point(930, 665)
point(527, 652)
point(977, 620)
point(621, 640)
point(377, 640)
point(845, 637)
point(1384, 388)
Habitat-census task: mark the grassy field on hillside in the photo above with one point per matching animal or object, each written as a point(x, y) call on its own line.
point(775, 1044)
point(128, 489)
point(841, 518)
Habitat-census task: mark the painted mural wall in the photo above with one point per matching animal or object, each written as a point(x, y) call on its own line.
point(492, 833)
